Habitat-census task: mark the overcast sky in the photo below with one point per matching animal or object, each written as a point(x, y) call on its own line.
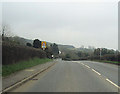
point(72, 23)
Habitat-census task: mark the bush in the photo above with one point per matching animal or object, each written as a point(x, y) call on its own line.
point(29, 44)
point(109, 57)
point(37, 43)
point(12, 53)
point(48, 52)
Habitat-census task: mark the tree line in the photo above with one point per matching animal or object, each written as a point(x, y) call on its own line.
point(96, 54)
point(50, 50)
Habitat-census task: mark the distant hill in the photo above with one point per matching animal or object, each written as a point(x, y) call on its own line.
point(86, 50)
point(23, 40)
point(65, 46)
point(62, 47)
point(65, 49)
point(19, 40)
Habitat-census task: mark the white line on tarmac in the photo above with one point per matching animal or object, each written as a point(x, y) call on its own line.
point(112, 83)
point(96, 72)
point(100, 74)
point(87, 66)
point(82, 64)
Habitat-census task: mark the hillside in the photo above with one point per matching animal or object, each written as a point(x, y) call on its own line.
point(65, 49)
point(23, 41)
point(18, 40)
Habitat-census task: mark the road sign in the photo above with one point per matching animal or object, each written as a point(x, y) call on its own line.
point(43, 44)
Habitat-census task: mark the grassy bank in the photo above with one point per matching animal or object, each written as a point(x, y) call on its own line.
point(105, 61)
point(9, 69)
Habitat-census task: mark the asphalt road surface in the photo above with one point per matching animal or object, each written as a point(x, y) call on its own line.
point(74, 76)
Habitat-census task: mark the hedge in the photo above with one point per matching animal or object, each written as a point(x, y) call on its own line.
point(12, 53)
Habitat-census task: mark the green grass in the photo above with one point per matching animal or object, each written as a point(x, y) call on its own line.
point(115, 62)
point(9, 69)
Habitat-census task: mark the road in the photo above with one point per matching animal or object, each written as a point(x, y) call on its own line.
point(74, 76)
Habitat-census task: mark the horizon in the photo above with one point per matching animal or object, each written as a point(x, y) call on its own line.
point(81, 46)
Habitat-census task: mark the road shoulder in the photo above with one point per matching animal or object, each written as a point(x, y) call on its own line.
point(23, 75)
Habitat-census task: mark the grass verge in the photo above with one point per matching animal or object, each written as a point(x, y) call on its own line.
point(105, 61)
point(9, 69)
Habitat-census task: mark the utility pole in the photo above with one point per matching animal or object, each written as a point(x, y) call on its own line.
point(100, 53)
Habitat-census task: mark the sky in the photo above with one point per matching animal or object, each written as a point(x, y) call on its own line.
point(74, 23)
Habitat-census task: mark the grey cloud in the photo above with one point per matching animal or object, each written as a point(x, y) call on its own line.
point(68, 23)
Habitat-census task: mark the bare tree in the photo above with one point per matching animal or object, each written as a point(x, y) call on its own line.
point(3, 30)
point(6, 31)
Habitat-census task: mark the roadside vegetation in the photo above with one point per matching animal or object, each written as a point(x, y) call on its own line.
point(111, 62)
point(11, 68)
point(14, 50)
point(95, 54)
point(20, 53)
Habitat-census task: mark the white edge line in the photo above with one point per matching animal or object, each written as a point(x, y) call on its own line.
point(96, 72)
point(87, 66)
point(82, 64)
point(19, 82)
point(112, 83)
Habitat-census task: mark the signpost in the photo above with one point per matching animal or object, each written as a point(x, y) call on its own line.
point(100, 53)
point(43, 45)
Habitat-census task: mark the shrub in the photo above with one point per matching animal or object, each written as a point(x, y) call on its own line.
point(29, 44)
point(12, 53)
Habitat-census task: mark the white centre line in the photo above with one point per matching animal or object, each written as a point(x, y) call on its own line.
point(96, 72)
point(100, 74)
point(112, 83)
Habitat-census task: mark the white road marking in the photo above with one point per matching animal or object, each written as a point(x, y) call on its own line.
point(82, 64)
point(87, 66)
point(112, 83)
point(96, 72)
point(100, 74)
